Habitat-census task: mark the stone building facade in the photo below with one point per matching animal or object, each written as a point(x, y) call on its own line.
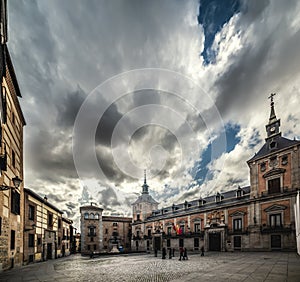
point(47, 235)
point(258, 217)
point(116, 232)
point(11, 157)
point(103, 233)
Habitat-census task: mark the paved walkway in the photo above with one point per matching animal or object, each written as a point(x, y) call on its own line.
point(138, 268)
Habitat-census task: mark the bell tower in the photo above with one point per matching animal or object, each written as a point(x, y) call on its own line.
point(273, 127)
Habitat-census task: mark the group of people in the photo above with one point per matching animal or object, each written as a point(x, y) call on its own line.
point(182, 253)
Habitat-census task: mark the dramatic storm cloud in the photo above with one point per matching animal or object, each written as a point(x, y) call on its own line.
point(193, 134)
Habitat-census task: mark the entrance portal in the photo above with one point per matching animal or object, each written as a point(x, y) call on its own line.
point(215, 241)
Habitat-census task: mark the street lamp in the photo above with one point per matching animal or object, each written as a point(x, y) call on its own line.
point(16, 180)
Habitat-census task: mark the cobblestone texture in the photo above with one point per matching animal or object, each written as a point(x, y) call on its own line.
point(144, 268)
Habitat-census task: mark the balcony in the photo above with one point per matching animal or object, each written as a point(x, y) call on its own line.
point(184, 235)
point(276, 229)
point(242, 231)
point(283, 190)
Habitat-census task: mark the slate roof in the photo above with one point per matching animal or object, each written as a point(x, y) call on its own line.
point(282, 143)
point(210, 202)
point(145, 198)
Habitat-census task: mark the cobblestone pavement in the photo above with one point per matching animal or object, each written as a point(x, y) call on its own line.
point(142, 268)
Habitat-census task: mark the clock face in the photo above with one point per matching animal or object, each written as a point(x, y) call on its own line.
point(273, 129)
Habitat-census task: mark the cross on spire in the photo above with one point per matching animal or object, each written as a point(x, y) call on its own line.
point(271, 97)
point(272, 114)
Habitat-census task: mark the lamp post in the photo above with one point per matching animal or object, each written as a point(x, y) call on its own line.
point(17, 182)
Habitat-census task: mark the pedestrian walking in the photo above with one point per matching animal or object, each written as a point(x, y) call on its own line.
point(155, 252)
point(170, 253)
point(164, 253)
point(185, 254)
point(173, 252)
point(181, 253)
point(202, 251)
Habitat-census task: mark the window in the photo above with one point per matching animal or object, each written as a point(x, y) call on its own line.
point(96, 216)
point(273, 145)
point(115, 224)
point(274, 186)
point(149, 232)
point(86, 216)
point(50, 219)
point(137, 217)
point(31, 212)
point(106, 230)
point(169, 230)
point(92, 216)
point(15, 202)
point(13, 158)
point(95, 247)
point(59, 241)
point(12, 239)
point(92, 231)
point(197, 227)
point(137, 233)
point(275, 220)
point(31, 240)
point(92, 239)
point(59, 223)
point(89, 247)
point(237, 224)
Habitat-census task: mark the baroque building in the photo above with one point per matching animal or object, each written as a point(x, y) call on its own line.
point(257, 217)
point(11, 157)
point(103, 234)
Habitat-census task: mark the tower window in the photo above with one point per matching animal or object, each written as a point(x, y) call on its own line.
point(274, 186)
point(273, 145)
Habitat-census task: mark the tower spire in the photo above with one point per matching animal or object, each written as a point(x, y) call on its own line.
point(273, 127)
point(272, 114)
point(145, 186)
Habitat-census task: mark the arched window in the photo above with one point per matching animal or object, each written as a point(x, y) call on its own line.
point(92, 216)
point(96, 216)
point(86, 216)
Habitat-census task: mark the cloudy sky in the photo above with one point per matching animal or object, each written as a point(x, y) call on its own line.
point(179, 88)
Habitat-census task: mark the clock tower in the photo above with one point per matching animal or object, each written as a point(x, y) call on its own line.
point(273, 127)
